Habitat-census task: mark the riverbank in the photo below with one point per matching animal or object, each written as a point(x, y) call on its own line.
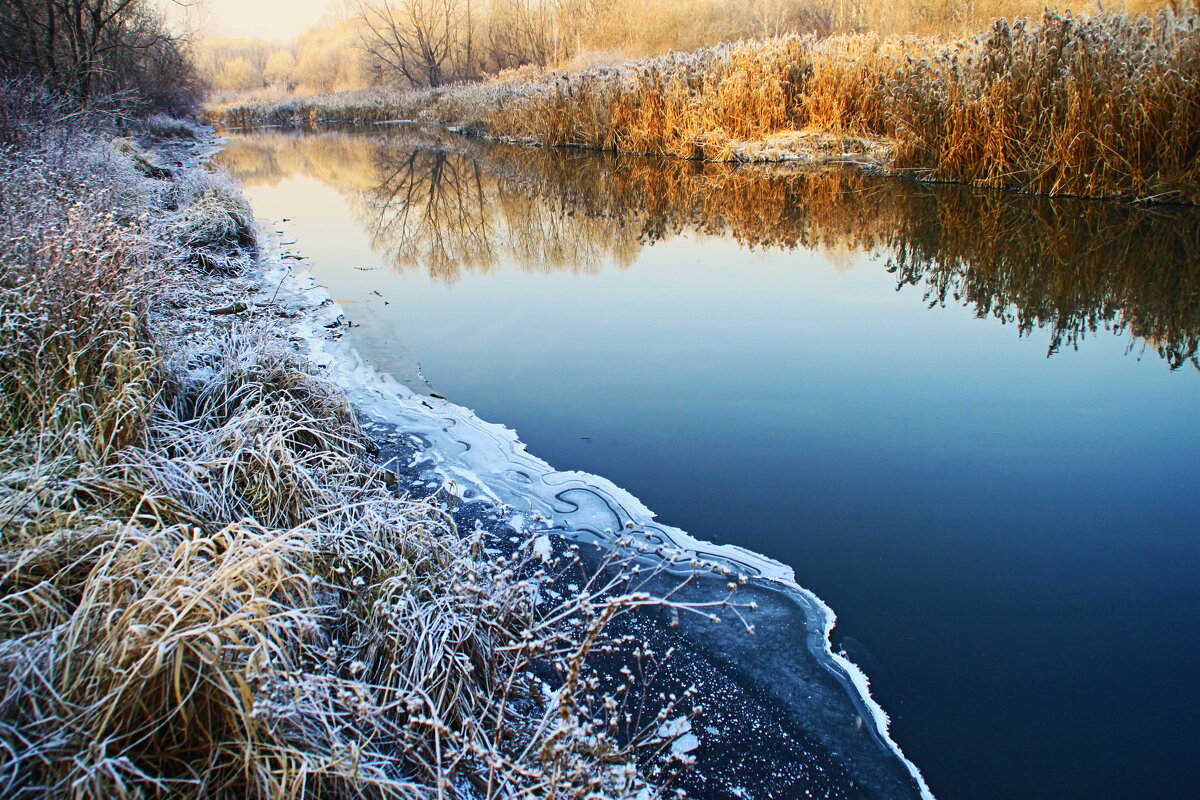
point(453, 105)
point(1030, 106)
point(209, 587)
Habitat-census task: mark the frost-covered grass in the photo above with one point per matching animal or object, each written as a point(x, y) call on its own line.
point(165, 126)
point(214, 223)
point(462, 104)
point(208, 588)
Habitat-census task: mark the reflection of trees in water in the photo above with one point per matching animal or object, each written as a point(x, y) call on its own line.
point(1073, 267)
point(449, 205)
point(448, 212)
point(431, 208)
point(266, 158)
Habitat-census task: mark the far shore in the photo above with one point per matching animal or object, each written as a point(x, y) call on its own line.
point(999, 109)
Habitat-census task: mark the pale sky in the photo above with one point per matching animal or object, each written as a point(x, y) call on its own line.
point(280, 20)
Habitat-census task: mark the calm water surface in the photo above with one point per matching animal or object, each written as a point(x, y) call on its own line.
point(967, 420)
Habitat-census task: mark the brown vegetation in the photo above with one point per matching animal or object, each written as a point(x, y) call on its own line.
point(421, 43)
point(417, 43)
point(1101, 106)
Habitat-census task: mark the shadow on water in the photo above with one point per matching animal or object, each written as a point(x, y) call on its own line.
point(448, 205)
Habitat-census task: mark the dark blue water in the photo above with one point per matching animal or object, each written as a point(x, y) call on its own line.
point(967, 421)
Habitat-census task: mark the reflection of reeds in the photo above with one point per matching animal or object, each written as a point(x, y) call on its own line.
point(1101, 106)
point(1070, 266)
point(1045, 264)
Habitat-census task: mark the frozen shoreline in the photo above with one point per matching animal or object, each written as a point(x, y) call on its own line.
point(487, 463)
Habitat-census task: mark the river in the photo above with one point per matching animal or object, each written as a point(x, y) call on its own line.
point(966, 419)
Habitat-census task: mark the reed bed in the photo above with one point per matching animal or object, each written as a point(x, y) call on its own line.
point(1106, 105)
point(1097, 106)
point(207, 587)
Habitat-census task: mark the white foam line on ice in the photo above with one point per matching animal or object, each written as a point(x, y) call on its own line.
point(479, 454)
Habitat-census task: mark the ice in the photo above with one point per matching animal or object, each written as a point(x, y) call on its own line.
point(679, 731)
point(673, 728)
point(784, 714)
point(685, 744)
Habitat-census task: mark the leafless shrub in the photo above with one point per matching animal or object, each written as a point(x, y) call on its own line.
point(89, 49)
point(164, 126)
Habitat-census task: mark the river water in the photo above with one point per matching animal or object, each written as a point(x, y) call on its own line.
point(966, 420)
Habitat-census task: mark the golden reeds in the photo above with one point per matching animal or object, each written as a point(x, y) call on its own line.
point(1097, 106)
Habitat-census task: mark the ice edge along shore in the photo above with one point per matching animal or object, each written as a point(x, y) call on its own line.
point(494, 455)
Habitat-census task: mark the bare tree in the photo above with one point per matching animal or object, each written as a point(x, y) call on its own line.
point(82, 47)
point(525, 32)
point(420, 39)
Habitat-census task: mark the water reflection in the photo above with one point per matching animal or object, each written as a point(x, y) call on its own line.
point(444, 204)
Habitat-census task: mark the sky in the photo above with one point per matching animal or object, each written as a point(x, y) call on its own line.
point(279, 20)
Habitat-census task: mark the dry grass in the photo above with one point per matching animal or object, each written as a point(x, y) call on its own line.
point(1093, 106)
point(373, 105)
point(207, 588)
point(164, 126)
point(214, 224)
